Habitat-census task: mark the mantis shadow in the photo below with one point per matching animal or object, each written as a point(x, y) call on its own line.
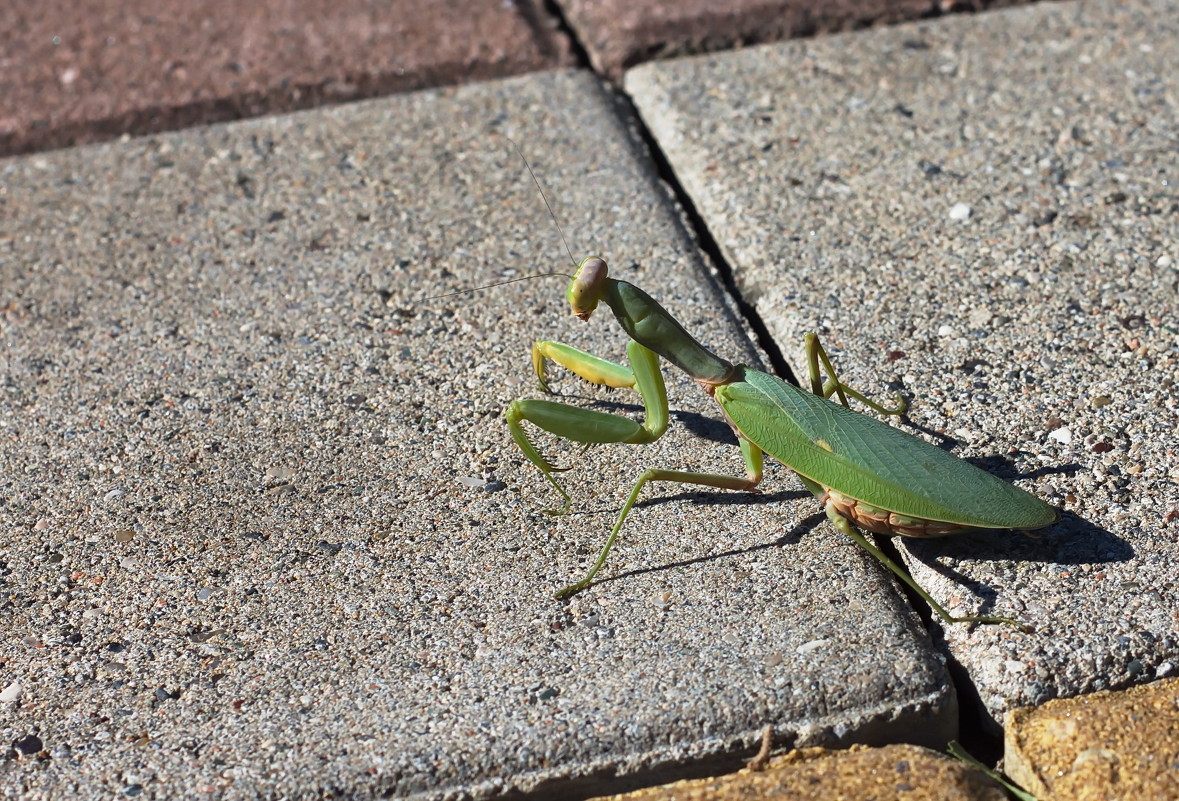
point(791, 537)
point(700, 425)
point(721, 498)
point(1071, 541)
point(705, 427)
point(1004, 469)
point(996, 464)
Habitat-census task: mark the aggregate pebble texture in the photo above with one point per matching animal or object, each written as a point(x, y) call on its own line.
point(262, 528)
point(84, 73)
point(981, 213)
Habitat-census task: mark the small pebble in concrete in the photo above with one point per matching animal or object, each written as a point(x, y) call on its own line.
point(28, 745)
point(960, 211)
point(1063, 435)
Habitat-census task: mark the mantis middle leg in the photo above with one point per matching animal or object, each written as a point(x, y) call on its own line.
point(753, 470)
point(815, 353)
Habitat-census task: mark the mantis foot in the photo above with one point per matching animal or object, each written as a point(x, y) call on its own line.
point(572, 590)
point(1025, 628)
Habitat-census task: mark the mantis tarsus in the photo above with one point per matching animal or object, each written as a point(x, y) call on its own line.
point(863, 471)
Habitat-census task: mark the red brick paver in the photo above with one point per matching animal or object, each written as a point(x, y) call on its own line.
point(618, 34)
point(73, 72)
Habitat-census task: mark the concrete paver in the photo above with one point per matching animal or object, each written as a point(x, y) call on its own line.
point(620, 34)
point(902, 772)
point(1102, 745)
point(73, 73)
point(981, 212)
point(262, 527)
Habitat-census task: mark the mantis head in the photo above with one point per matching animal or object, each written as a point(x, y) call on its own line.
point(587, 287)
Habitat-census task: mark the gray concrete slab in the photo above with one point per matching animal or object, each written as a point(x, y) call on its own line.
point(982, 213)
point(262, 528)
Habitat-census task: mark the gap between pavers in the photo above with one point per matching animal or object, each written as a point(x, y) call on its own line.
point(981, 212)
point(263, 528)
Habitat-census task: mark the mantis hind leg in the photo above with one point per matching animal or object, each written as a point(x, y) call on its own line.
point(753, 470)
point(844, 525)
point(816, 354)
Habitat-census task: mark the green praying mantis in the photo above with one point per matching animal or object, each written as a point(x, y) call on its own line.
point(862, 470)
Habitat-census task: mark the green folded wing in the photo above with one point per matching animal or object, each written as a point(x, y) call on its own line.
point(872, 462)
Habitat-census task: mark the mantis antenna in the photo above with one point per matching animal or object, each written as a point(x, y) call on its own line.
point(552, 214)
point(543, 197)
point(498, 283)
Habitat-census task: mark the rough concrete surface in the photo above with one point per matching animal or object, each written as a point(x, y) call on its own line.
point(84, 72)
point(262, 528)
point(982, 213)
point(1103, 745)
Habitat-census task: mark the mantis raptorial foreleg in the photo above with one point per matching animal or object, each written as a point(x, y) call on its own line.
point(592, 368)
point(587, 426)
point(592, 427)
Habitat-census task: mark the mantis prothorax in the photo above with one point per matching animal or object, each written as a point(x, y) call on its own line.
point(863, 471)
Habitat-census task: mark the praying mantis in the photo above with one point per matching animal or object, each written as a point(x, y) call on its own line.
point(862, 470)
point(866, 473)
